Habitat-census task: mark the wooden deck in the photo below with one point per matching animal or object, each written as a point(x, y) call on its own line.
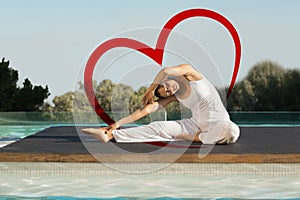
point(67, 144)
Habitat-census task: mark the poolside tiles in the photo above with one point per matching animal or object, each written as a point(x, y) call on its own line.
point(68, 144)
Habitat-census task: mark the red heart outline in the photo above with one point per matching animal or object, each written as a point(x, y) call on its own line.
point(155, 54)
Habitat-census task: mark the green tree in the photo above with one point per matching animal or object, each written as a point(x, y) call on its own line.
point(291, 90)
point(243, 97)
point(8, 85)
point(70, 102)
point(29, 97)
point(136, 99)
point(267, 79)
point(13, 98)
point(103, 93)
point(267, 87)
point(121, 96)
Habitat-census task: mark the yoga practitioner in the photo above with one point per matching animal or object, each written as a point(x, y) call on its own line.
point(209, 124)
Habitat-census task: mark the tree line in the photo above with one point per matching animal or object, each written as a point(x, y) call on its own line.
point(266, 87)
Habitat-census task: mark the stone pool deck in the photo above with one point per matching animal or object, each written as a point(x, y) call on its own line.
point(68, 144)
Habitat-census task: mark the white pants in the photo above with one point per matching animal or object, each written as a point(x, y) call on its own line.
point(221, 132)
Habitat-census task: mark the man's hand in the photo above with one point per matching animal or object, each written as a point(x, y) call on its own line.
point(148, 98)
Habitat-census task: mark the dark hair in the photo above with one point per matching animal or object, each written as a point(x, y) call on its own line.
point(156, 93)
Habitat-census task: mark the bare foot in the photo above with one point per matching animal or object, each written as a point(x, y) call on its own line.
point(97, 133)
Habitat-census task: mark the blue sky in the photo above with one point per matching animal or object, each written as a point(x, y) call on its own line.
point(49, 41)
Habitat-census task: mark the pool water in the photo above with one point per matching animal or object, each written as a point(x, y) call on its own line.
point(116, 198)
point(178, 180)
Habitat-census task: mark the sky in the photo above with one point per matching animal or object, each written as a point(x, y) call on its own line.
point(50, 41)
